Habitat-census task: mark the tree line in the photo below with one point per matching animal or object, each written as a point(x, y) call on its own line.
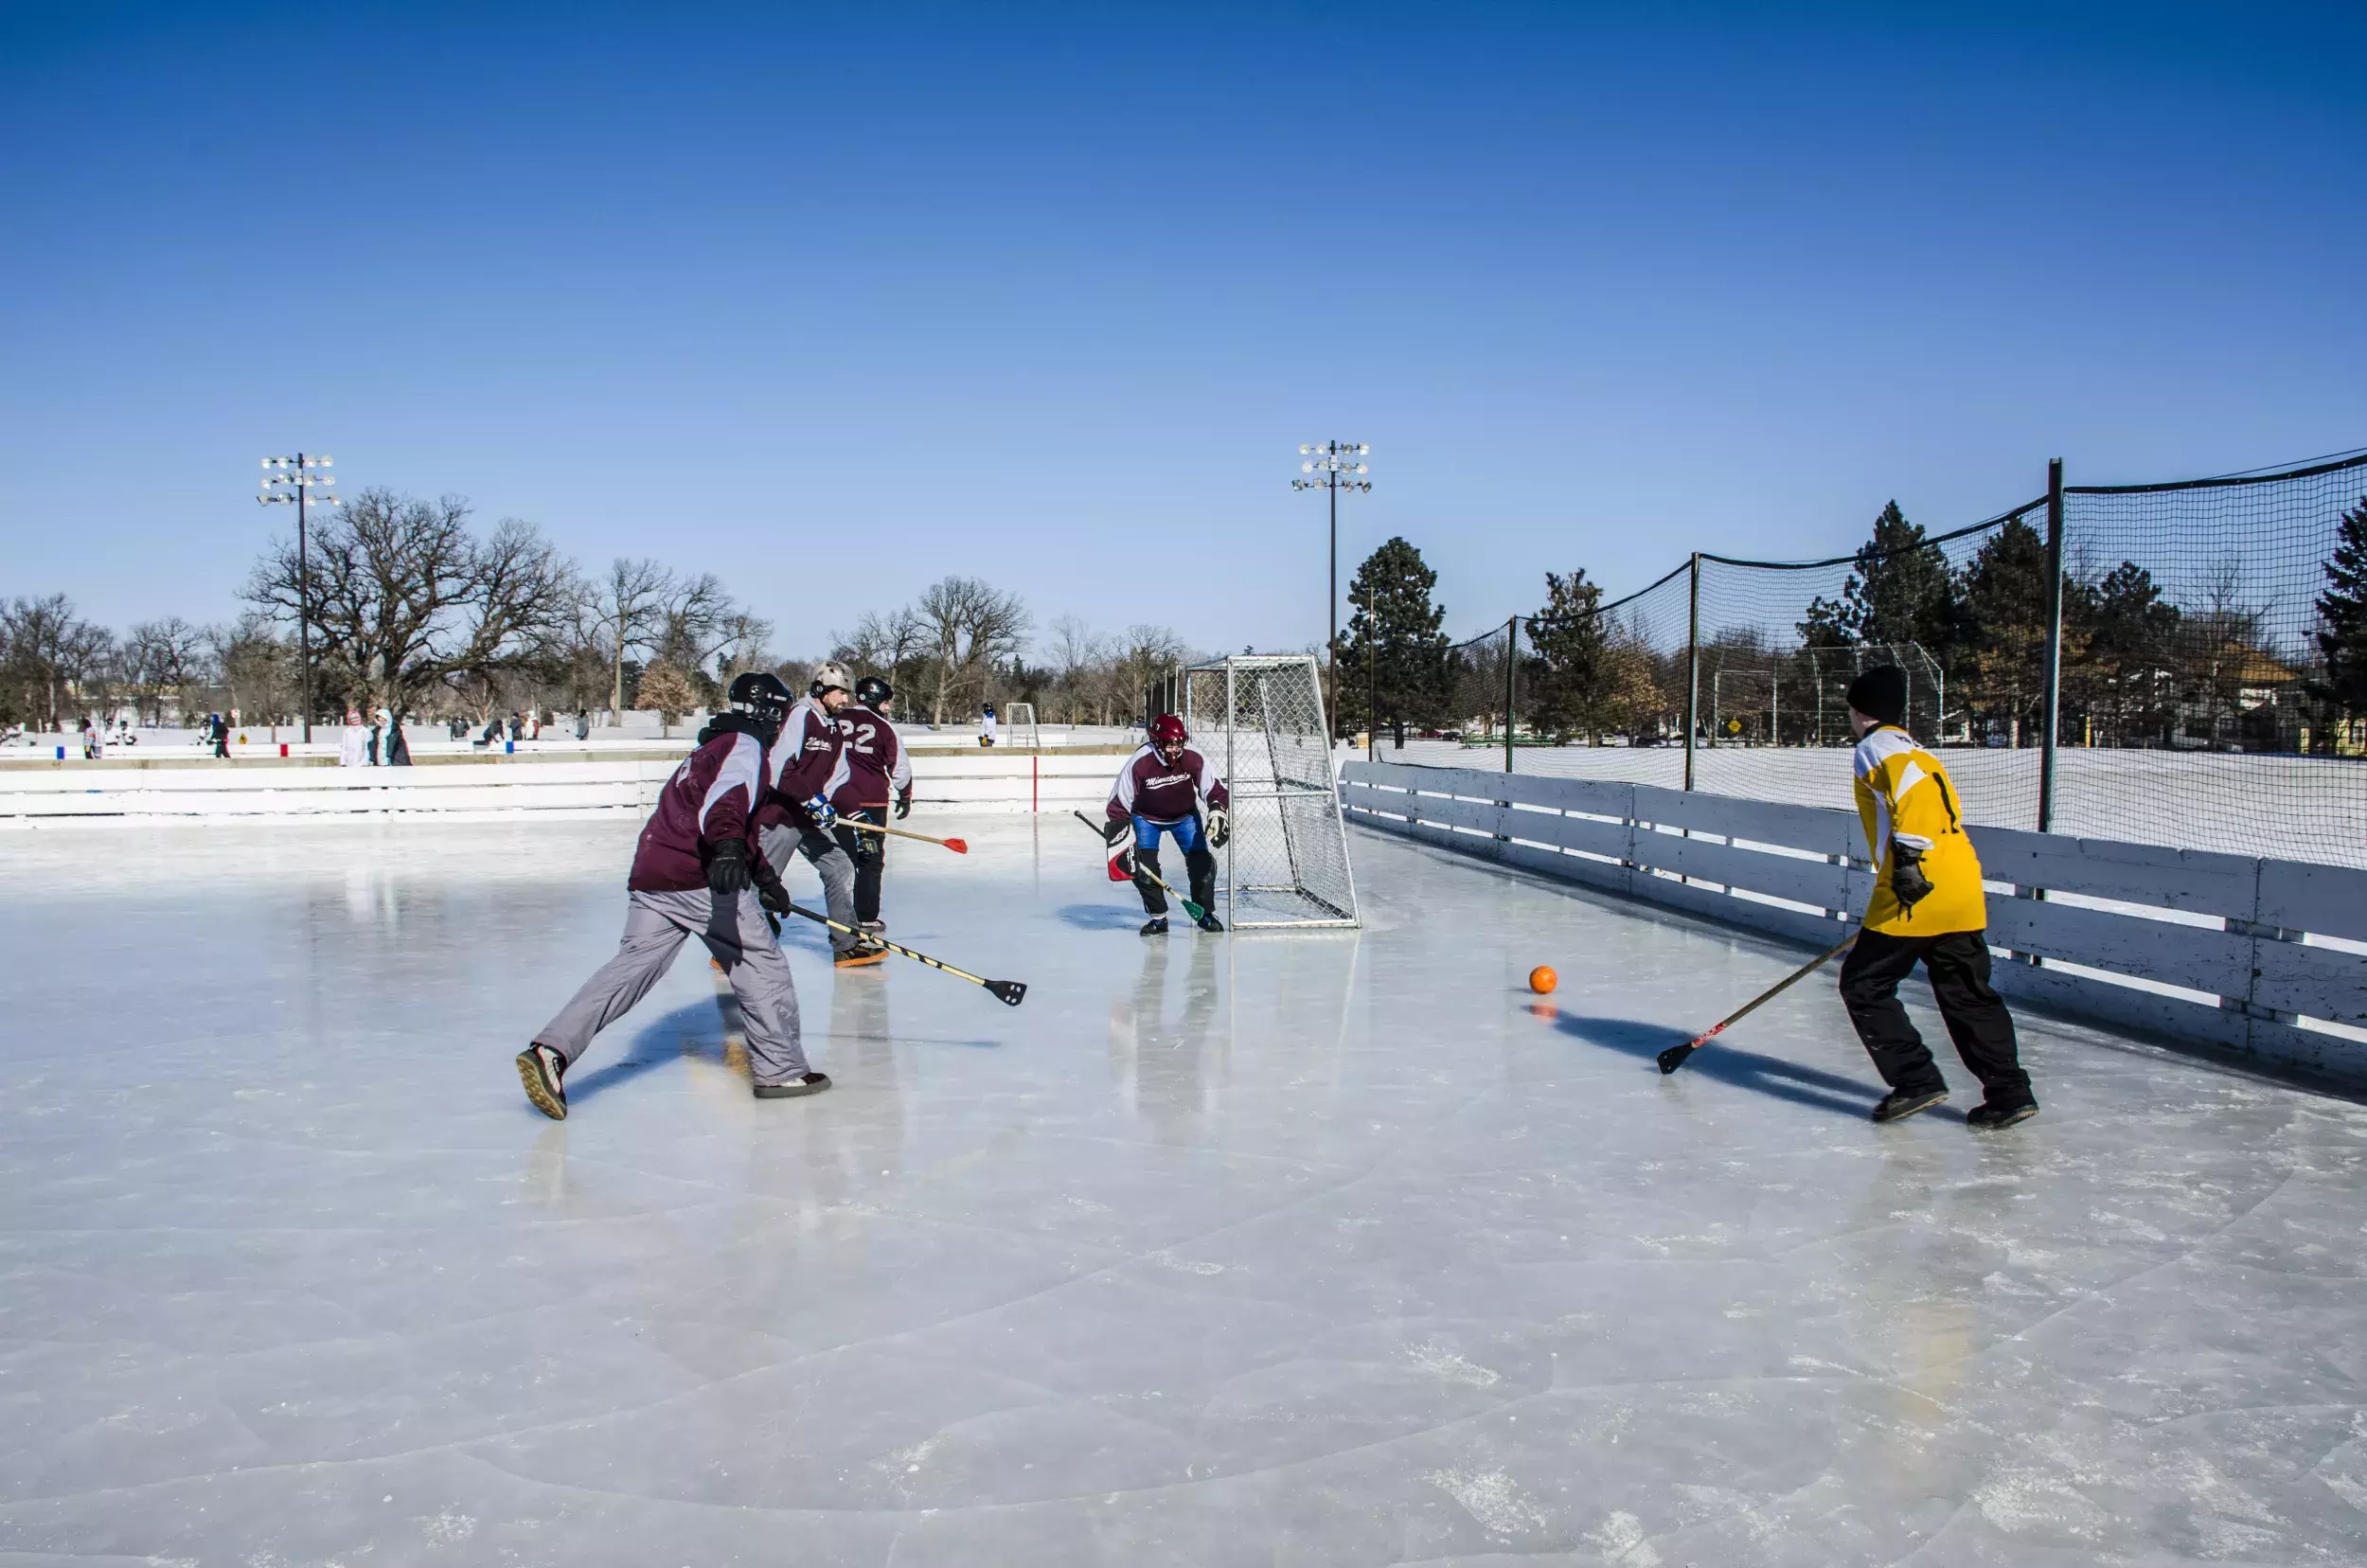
point(412, 607)
point(2211, 666)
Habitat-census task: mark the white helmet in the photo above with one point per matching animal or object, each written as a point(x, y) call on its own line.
point(831, 674)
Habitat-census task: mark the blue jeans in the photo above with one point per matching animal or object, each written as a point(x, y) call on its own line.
point(1189, 837)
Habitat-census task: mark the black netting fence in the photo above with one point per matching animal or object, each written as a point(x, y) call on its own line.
point(2210, 681)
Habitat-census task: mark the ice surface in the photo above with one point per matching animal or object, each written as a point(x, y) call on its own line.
point(1286, 1249)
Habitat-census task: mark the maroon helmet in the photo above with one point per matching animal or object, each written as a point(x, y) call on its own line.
point(1167, 730)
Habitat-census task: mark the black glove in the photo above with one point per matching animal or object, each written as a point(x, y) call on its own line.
point(1219, 827)
point(903, 805)
point(1909, 885)
point(727, 873)
point(772, 895)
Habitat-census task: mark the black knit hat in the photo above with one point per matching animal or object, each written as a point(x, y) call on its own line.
point(1880, 694)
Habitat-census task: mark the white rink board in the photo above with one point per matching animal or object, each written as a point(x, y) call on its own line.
point(1332, 1248)
point(975, 780)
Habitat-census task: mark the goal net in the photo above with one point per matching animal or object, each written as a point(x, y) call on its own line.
point(1019, 725)
point(1260, 721)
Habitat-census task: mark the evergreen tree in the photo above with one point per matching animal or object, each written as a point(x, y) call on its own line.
point(1400, 637)
point(2004, 603)
point(2126, 683)
point(1568, 677)
point(2343, 606)
point(1899, 589)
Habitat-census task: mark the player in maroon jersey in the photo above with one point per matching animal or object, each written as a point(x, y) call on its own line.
point(872, 769)
point(796, 816)
point(1160, 790)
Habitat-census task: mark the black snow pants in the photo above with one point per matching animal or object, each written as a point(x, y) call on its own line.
point(1958, 964)
point(869, 853)
point(1200, 863)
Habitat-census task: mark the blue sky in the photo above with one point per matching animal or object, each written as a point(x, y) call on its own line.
point(834, 301)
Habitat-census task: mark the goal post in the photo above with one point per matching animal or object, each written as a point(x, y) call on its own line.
point(1019, 725)
point(1259, 720)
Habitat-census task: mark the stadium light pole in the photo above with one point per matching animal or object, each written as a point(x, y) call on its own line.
point(1341, 466)
point(287, 481)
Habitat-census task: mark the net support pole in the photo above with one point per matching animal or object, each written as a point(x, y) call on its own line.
point(2049, 731)
point(1693, 661)
point(1372, 683)
point(1512, 663)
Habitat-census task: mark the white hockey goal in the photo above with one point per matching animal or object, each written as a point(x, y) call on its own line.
point(1019, 725)
point(1259, 720)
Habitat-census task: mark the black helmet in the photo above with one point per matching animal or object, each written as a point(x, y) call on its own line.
point(871, 691)
point(760, 695)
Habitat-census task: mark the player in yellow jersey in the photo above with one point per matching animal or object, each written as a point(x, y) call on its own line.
point(1927, 907)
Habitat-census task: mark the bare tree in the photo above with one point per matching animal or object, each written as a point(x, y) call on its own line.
point(160, 659)
point(744, 636)
point(51, 651)
point(1077, 651)
point(405, 599)
point(971, 625)
point(256, 666)
point(623, 610)
point(1144, 653)
point(693, 620)
point(887, 643)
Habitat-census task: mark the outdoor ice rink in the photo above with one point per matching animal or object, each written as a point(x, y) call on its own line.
point(1284, 1250)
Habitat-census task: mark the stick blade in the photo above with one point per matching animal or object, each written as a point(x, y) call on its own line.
point(959, 846)
point(1009, 993)
point(1674, 1057)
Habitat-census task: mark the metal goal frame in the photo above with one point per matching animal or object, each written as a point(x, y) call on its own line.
point(1265, 712)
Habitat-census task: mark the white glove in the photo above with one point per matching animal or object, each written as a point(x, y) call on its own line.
point(1219, 827)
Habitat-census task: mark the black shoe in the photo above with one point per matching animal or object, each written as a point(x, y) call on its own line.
point(807, 1083)
point(1155, 926)
point(1209, 923)
point(1989, 1116)
point(1906, 1102)
point(873, 928)
point(542, 1070)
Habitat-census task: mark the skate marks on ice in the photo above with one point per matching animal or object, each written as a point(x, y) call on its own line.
point(1317, 1250)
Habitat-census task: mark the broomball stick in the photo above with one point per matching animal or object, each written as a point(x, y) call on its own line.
point(959, 846)
point(1675, 1056)
point(1009, 993)
point(1197, 912)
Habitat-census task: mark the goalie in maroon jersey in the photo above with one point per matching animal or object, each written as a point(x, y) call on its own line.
point(1161, 789)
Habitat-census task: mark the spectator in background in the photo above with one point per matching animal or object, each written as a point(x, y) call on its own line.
point(94, 741)
point(353, 744)
point(398, 753)
point(220, 734)
point(492, 732)
point(517, 725)
point(584, 724)
point(985, 728)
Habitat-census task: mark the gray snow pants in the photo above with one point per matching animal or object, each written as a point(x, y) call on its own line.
point(656, 925)
point(785, 840)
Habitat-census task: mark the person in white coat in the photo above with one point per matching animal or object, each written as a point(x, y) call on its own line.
point(353, 747)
